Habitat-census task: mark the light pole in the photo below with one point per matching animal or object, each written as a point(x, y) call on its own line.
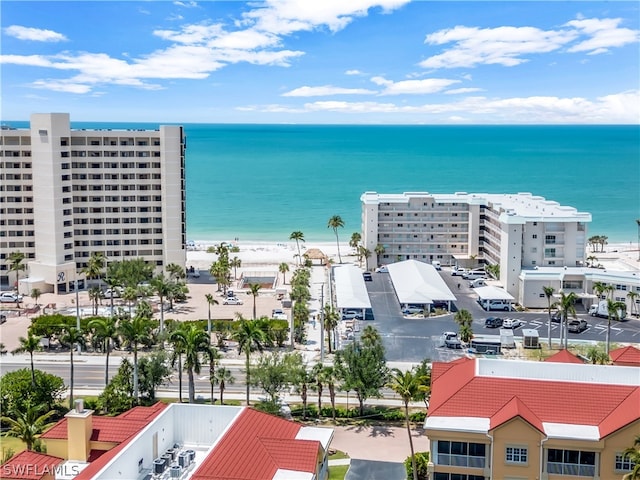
point(75, 281)
point(322, 323)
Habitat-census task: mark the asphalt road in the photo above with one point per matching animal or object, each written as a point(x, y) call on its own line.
point(414, 339)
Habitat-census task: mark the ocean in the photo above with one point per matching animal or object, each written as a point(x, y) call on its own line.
point(262, 182)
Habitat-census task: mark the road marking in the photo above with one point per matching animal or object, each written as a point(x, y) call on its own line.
point(536, 322)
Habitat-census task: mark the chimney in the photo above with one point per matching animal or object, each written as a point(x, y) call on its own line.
point(79, 429)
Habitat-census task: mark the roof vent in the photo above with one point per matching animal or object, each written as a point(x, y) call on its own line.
point(79, 405)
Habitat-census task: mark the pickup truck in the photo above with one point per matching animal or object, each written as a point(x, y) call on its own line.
point(10, 297)
point(278, 314)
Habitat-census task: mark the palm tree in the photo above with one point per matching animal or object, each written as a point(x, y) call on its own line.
point(633, 299)
point(95, 294)
point(71, 336)
point(35, 294)
point(214, 357)
point(15, 260)
point(223, 377)
point(336, 222)
point(177, 342)
point(130, 295)
point(355, 240)
point(210, 301)
point(331, 319)
point(95, 265)
point(254, 289)
point(175, 271)
point(548, 292)
point(29, 345)
point(162, 287)
point(331, 377)
point(250, 337)
point(633, 455)
point(597, 356)
point(135, 332)
point(235, 263)
point(298, 237)
point(106, 330)
point(613, 311)
point(28, 424)
point(194, 341)
point(567, 308)
point(464, 319)
point(407, 386)
point(599, 288)
point(283, 268)
point(379, 251)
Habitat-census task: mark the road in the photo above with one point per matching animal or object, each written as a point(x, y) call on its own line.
point(413, 339)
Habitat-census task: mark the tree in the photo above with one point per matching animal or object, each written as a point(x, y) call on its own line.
point(105, 329)
point(300, 378)
point(176, 272)
point(162, 287)
point(379, 252)
point(254, 289)
point(273, 372)
point(16, 264)
point(362, 366)
point(95, 265)
point(210, 301)
point(28, 424)
point(336, 222)
point(548, 292)
point(633, 455)
point(117, 396)
point(613, 311)
point(250, 337)
point(407, 386)
point(95, 294)
point(298, 237)
point(633, 301)
point(214, 357)
point(235, 263)
point(283, 268)
point(567, 308)
point(193, 341)
point(423, 372)
point(16, 390)
point(71, 336)
point(154, 372)
point(597, 356)
point(135, 332)
point(599, 288)
point(222, 378)
point(494, 270)
point(355, 240)
point(29, 345)
point(331, 319)
point(465, 320)
point(35, 294)
point(365, 253)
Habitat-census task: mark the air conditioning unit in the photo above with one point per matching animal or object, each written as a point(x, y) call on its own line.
point(183, 459)
point(192, 455)
point(159, 466)
point(176, 471)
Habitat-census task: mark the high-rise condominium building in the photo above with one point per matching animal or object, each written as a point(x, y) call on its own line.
point(514, 231)
point(65, 194)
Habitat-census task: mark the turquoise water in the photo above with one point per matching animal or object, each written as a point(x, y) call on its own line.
point(261, 182)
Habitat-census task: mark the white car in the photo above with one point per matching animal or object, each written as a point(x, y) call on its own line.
point(232, 301)
point(458, 271)
point(382, 269)
point(511, 323)
point(10, 297)
point(112, 292)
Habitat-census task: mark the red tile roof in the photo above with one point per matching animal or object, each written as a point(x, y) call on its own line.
point(459, 393)
point(626, 356)
point(564, 356)
point(28, 465)
point(255, 447)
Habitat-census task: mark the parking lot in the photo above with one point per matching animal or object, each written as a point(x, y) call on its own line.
point(413, 339)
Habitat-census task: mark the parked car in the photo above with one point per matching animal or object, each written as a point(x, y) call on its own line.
point(511, 323)
point(230, 294)
point(3, 319)
point(577, 326)
point(367, 276)
point(10, 297)
point(459, 271)
point(412, 309)
point(478, 282)
point(232, 301)
point(472, 275)
point(115, 292)
point(556, 317)
point(451, 340)
point(278, 314)
point(497, 305)
point(351, 314)
point(382, 269)
point(493, 322)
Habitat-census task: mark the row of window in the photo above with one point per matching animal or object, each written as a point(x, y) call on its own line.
point(99, 221)
point(15, 165)
point(115, 243)
point(117, 198)
point(64, 142)
point(140, 165)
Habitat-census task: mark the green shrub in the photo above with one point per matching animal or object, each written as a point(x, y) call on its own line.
point(418, 417)
point(422, 460)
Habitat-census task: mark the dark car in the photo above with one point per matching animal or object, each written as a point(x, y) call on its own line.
point(3, 319)
point(556, 317)
point(577, 326)
point(493, 322)
point(367, 276)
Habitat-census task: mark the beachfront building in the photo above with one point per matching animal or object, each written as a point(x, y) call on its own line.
point(509, 419)
point(181, 441)
point(515, 231)
point(67, 193)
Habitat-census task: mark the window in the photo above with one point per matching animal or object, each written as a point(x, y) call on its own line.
point(550, 252)
point(623, 463)
point(461, 454)
point(516, 455)
point(534, 236)
point(571, 462)
point(456, 476)
point(550, 239)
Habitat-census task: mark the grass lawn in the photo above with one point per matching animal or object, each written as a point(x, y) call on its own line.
point(338, 455)
point(338, 472)
point(12, 443)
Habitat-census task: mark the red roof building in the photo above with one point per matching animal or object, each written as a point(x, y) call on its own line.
point(492, 418)
point(564, 356)
point(626, 356)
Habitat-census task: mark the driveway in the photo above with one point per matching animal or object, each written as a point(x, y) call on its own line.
point(381, 443)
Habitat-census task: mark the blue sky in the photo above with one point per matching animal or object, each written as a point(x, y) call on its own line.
point(329, 61)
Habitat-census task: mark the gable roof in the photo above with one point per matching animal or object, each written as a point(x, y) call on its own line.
point(255, 447)
point(629, 356)
point(38, 465)
point(498, 397)
point(564, 356)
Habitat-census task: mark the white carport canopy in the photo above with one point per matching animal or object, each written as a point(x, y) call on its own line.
point(351, 292)
point(493, 293)
point(418, 283)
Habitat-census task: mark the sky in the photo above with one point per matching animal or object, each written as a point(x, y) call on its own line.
point(323, 61)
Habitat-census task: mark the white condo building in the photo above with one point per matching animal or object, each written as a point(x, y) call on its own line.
point(65, 194)
point(515, 231)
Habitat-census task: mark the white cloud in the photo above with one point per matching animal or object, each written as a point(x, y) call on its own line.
point(326, 90)
point(34, 34)
point(604, 34)
point(186, 4)
point(458, 91)
point(509, 46)
point(413, 87)
point(354, 72)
